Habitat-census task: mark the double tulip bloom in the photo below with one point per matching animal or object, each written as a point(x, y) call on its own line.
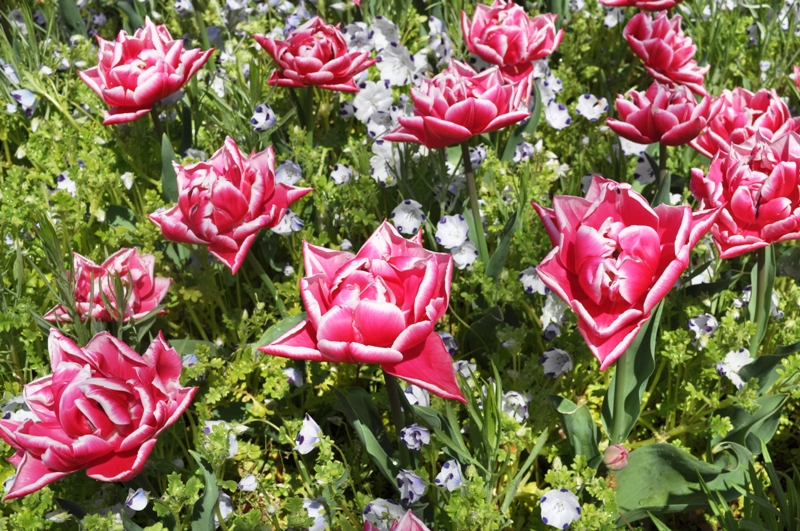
point(224, 201)
point(615, 258)
point(101, 409)
point(136, 71)
point(377, 306)
point(409, 522)
point(756, 187)
point(315, 54)
point(504, 35)
point(644, 5)
point(459, 103)
point(739, 114)
point(667, 53)
point(95, 288)
point(669, 116)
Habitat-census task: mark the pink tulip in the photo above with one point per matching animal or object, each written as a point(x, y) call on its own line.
point(409, 522)
point(615, 258)
point(136, 71)
point(616, 457)
point(101, 409)
point(796, 72)
point(95, 291)
point(504, 35)
point(667, 53)
point(740, 114)
point(459, 103)
point(315, 54)
point(225, 201)
point(378, 306)
point(756, 187)
point(670, 116)
point(644, 5)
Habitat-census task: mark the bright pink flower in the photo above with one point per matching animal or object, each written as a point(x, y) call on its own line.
point(409, 522)
point(378, 306)
point(459, 103)
point(667, 53)
point(143, 290)
point(136, 71)
point(738, 114)
point(615, 258)
point(225, 201)
point(616, 457)
point(504, 35)
point(644, 5)
point(756, 187)
point(670, 116)
point(797, 76)
point(315, 54)
point(101, 409)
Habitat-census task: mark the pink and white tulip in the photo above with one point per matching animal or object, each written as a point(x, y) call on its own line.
point(459, 103)
point(135, 71)
point(95, 291)
point(224, 201)
point(615, 258)
point(101, 409)
point(644, 5)
point(756, 187)
point(377, 306)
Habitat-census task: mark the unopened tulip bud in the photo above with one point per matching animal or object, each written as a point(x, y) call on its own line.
point(616, 457)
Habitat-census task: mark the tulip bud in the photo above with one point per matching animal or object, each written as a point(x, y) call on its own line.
point(616, 457)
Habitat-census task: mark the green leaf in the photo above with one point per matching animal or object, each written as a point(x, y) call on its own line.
point(749, 430)
point(189, 346)
point(765, 368)
point(186, 129)
point(632, 372)
point(128, 524)
point(71, 13)
point(527, 129)
point(169, 179)
point(763, 272)
point(498, 259)
point(278, 329)
point(513, 487)
point(71, 507)
point(203, 513)
point(662, 195)
point(120, 216)
point(134, 18)
point(580, 428)
point(663, 478)
point(661, 526)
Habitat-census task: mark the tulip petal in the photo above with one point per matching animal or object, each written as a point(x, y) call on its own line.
point(299, 343)
point(121, 466)
point(32, 475)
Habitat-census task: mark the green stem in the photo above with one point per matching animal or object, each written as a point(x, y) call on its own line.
point(617, 436)
point(221, 520)
point(473, 199)
point(763, 306)
point(157, 125)
point(310, 114)
point(662, 164)
point(394, 402)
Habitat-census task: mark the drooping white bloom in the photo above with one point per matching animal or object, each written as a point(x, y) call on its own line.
point(316, 511)
point(452, 231)
point(384, 32)
point(218, 86)
point(309, 436)
point(734, 361)
point(557, 115)
point(531, 281)
point(136, 500)
point(407, 216)
point(590, 107)
point(372, 97)
point(189, 360)
point(9, 72)
point(613, 16)
point(450, 343)
point(417, 396)
point(411, 486)
point(399, 66)
point(288, 172)
point(643, 173)
point(560, 508)
point(263, 118)
point(450, 476)
point(249, 483)
point(294, 376)
point(555, 362)
point(382, 513)
point(515, 405)
point(290, 223)
point(342, 173)
point(464, 255)
point(415, 436)
point(26, 99)
point(127, 179)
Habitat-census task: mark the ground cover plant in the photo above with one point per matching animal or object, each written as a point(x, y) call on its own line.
point(399, 266)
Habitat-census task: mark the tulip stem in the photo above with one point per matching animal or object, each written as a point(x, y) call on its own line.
point(394, 401)
point(473, 199)
point(763, 295)
point(617, 436)
point(157, 125)
point(662, 164)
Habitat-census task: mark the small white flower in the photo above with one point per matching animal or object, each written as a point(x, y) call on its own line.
point(372, 97)
point(316, 511)
point(184, 7)
point(249, 483)
point(450, 343)
point(288, 172)
point(452, 231)
point(127, 179)
point(384, 32)
point(411, 487)
point(380, 122)
point(290, 223)
point(734, 361)
point(643, 173)
point(557, 115)
point(541, 68)
point(407, 216)
point(477, 155)
point(189, 360)
point(309, 435)
point(531, 281)
point(417, 396)
point(26, 99)
point(586, 183)
point(464, 255)
point(288, 270)
point(549, 86)
point(631, 148)
point(382, 513)
point(399, 66)
point(590, 107)
point(478, 64)
point(346, 245)
point(439, 41)
point(576, 5)
point(218, 86)
point(560, 508)
point(358, 37)
point(555, 362)
point(347, 109)
point(415, 436)
point(383, 163)
point(9, 482)
point(63, 182)
point(294, 376)
point(523, 151)
point(450, 476)
point(137, 499)
point(263, 118)
point(46, 70)
point(233, 443)
point(465, 368)
point(613, 16)
point(225, 507)
point(553, 310)
point(515, 405)
point(342, 173)
point(9, 72)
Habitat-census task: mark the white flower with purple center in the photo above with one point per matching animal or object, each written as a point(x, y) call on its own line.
point(555, 362)
point(560, 508)
point(294, 376)
point(288, 173)
point(450, 476)
point(342, 173)
point(703, 327)
point(417, 396)
point(184, 7)
point(309, 436)
point(249, 483)
point(263, 118)
point(465, 368)
point(775, 312)
point(613, 16)
point(557, 115)
point(382, 165)
point(523, 151)
point(643, 174)
point(590, 107)
point(189, 360)
point(439, 41)
point(541, 68)
point(26, 99)
point(452, 231)
point(450, 343)
point(399, 66)
point(9, 72)
point(136, 500)
point(531, 281)
point(371, 98)
point(347, 109)
point(384, 32)
point(576, 5)
point(315, 510)
point(289, 223)
point(99, 19)
point(515, 405)
point(381, 513)
point(553, 310)
point(549, 86)
point(63, 182)
point(411, 486)
point(734, 361)
point(407, 217)
point(631, 148)
point(359, 37)
point(464, 255)
point(380, 122)
point(415, 436)
point(477, 155)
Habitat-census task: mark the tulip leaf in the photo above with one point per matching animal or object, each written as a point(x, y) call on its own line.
point(663, 478)
point(498, 259)
point(203, 513)
point(71, 507)
point(169, 179)
point(120, 216)
point(750, 429)
point(134, 18)
point(71, 13)
point(661, 526)
point(662, 194)
point(580, 428)
point(765, 368)
point(278, 329)
point(526, 130)
point(632, 372)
